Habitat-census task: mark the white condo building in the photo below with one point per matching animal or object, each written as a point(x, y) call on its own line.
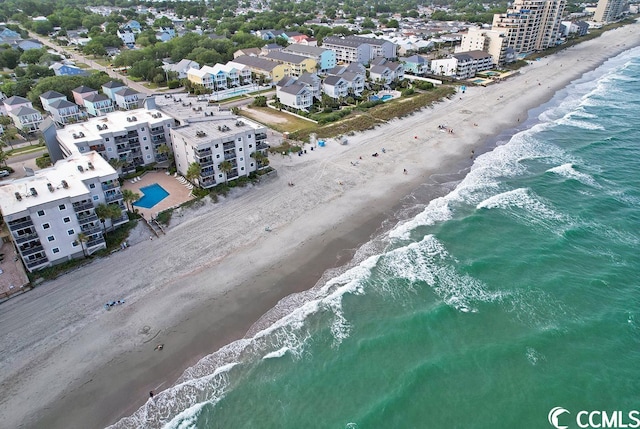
point(45, 213)
point(134, 137)
point(215, 140)
point(531, 25)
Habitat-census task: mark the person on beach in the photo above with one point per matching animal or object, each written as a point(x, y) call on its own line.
point(404, 171)
point(151, 394)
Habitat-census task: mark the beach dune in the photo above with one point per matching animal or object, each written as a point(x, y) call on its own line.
point(68, 363)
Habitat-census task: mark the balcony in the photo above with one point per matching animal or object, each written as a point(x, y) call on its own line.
point(25, 238)
point(99, 241)
point(36, 263)
point(113, 197)
point(229, 155)
point(31, 250)
point(13, 226)
point(110, 185)
point(81, 206)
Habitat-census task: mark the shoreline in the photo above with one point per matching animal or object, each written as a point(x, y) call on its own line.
point(118, 376)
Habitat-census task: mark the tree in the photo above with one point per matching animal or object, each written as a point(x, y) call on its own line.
point(4, 156)
point(82, 238)
point(129, 198)
point(225, 167)
point(107, 211)
point(163, 149)
point(193, 172)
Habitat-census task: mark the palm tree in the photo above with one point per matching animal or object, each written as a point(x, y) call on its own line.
point(83, 238)
point(129, 197)
point(117, 163)
point(225, 167)
point(107, 211)
point(164, 149)
point(193, 172)
point(4, 156)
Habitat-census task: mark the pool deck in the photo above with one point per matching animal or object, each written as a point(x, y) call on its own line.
point(178, 193)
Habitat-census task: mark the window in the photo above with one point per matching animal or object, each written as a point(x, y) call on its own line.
point(109, 149)
point(66, 219)
point(239, 149)
point(148, 156)
point(241, 168)
point(146, 148)
point(248, 136)
point(75, 243)
point(107, 139)
point(144, 138)
point(142, 129)
point(46, 226)
point(239, 139)
point(217, 156)
point(220, 176)
point(92, 186)
point(55, 250)
point(250, 146)
point(61, 207)
point(70, 232)
point(95, 198)
point(51, 238)
point(216, 146)
point(40, 213)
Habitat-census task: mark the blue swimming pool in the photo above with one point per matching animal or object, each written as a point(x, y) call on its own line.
point(151, 195)
point(383, 97)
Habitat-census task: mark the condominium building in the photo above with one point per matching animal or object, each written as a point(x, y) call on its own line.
point(531, 25)
point(295, 65)
point(51, 216)
point(217, 139)
point(357, 49)
point(133, 138)
point(609, 10)
point(325, 58)
point(482, 39)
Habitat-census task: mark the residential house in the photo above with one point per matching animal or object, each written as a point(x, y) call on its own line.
point(252, 52)
point(335, 86)
point(110, 88)
point(415, 64)
point(181, 68)
point(14, 103)
point(295, 95)
point(98, 104)
point(355, 82)
point(269, 34)
point(271, 47)
point(272, 70)
point(303, 39)
point(324, 58)
point(127, 36)
point(46, 98)
point(60, 69)
point(210, 143)
point(64, 111)
point(165, 34)
point(25, 45)
point(81, 92)
point(46, 213)
point(295, 65)
point(127, 99)
point(313, 82)
point(26, 118)
point(133, 26)
point(381, 74)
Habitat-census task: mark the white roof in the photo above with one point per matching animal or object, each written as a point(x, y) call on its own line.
point(67, 170)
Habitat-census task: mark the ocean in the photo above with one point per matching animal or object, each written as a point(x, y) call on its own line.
point(512, 293)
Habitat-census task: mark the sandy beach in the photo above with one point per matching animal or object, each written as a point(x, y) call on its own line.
point(68, 363)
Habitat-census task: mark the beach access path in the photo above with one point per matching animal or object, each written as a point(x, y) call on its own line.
point(67, 362)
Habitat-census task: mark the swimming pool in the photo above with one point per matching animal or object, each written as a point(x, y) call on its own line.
point(151, 195)
point(383, 98)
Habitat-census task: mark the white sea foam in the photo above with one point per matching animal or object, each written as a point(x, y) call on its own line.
point(278, 353)
point(428, 261)
point(534, 356)
point(568, 170)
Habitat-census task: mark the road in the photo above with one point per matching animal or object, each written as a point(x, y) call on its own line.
point(77, 56)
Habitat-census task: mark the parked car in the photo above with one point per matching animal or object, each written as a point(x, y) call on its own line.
point(4, 173)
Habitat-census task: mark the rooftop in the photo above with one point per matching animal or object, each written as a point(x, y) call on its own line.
point(49, 183)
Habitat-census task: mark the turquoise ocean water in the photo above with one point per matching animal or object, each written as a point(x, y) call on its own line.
point(514, 292)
